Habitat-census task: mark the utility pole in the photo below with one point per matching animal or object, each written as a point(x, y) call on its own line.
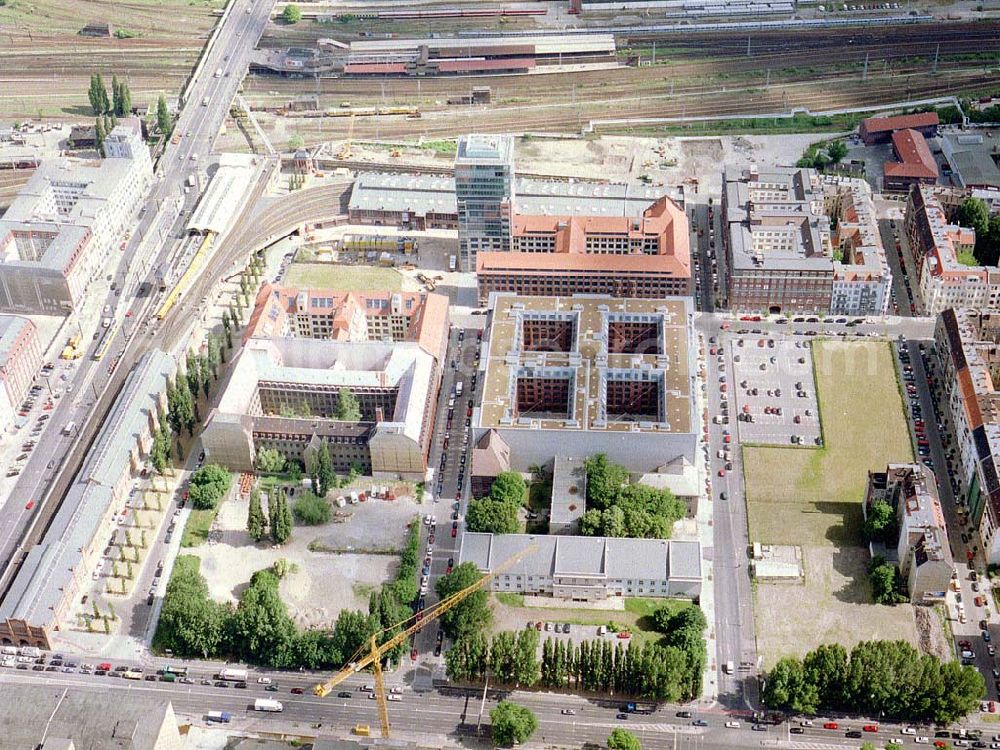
point(748, 45)
point(482, 704)
point(864, 76)
point(937, 52)
point(767, 82)
point(654, 52)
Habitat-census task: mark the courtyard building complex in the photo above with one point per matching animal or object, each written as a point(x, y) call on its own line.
point(58, 233)
point(307, 348)
point(968, 347)
point(572, 376)
point(784, 253)
point(941, 252)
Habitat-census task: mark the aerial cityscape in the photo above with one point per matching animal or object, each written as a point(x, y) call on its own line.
point(460, 374)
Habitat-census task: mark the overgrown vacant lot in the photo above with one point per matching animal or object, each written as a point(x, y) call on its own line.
point(46, 65)
point(813, 496)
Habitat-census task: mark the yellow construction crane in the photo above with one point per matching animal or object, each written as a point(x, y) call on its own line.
point(371, 654)
point(346, 152)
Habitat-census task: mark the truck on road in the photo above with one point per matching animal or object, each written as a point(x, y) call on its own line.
point(233, 675)
point(267, 704)
point(220, 717)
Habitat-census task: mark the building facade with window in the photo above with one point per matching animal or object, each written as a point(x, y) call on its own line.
point(57, 234)
point(587, 568)
point(20, 361)
point(967, 343)
point(484, 193)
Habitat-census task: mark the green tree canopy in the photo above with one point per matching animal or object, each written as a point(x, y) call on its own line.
point(509, 487)
point(512, 723)
point(604, 481)
point(622, 739)
point(974, 213)
point(208, 485)
point(255, 517)
point(492, 516)
point(836, 151)
point(879, 521)
point(164, 122)
point(348, 406)
point(472, 613)
point(270, 461)
point(291, 14)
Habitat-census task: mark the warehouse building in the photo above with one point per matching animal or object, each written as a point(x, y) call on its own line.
point(20, 361)
point(57, 234)
point(69, 558)
point(875, 130)
point(974, 159)
point(572, 376)
point(942, 254)
point(587, 569)
point(922, 550)
point(915, 163)
point(967, 343)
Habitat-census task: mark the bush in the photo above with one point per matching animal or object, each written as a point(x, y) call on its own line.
point(208, 485)
point(311, 510)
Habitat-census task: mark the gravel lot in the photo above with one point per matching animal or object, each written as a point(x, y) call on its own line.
point(337, 564)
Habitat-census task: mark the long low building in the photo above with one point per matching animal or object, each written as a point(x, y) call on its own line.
point(428, 201)
point(587, 569)
point(60, 567)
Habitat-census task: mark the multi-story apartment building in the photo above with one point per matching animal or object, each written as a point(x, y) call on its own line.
point(776, 241)
point(484, 192)
point(619, 256)
point(57, 234)
point(20, 361)
point(967, 343)
point(861, 275)
point(352, 316)
point(942, 254)
point(922, 549)
point(70, 556)
point(587, 568)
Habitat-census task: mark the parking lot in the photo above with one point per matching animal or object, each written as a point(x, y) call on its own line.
point(772, 391)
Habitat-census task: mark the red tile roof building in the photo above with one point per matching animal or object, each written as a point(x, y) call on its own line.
point(880, 129)
point(916, 163)
point(648, 256)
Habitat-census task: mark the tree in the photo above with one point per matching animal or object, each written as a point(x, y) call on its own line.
point(190, 624)
point(879, 521)
point(509, 487)
point(281, 517)
point(492, 516)
point(622, 739)
point(255, 517)
point(312, 510)
point(512, 723)
point(180, 405)
point(470, 615)
point(325, 476)
point(270, 461)
point(604, 480)
point(260, 629)
point(348, 406)
point(213, 355)
point(974, 213)
point(786, 687)
point(295, 142)
point(163, 119)
point(193, 372)
point(208, 485)
point(98, 95)
point(836, 151)
point(291, 14)
point(100, 135)
point(205, 373)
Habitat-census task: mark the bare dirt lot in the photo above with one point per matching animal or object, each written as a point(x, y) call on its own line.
point(337, 565)
point(834, 606)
